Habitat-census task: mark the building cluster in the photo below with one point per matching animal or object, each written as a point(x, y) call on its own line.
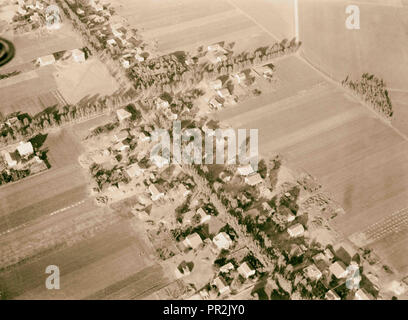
point(19, 162)
point(31, 15)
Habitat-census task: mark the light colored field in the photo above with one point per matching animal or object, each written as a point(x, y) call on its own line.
point(377, 47)
point(87, 267)
point(186, 25)
point(56, 188)
point(359, 160)
point(78, 80)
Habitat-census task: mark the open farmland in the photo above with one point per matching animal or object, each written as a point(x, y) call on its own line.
point(358, 159)
point(62, 185)
point(186, 25)
point(36, 89)
point(377, 47)
point(114, 256)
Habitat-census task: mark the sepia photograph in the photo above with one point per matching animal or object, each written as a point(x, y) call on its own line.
point(199, 155)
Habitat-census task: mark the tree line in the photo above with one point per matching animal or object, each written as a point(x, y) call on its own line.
point(373, 90)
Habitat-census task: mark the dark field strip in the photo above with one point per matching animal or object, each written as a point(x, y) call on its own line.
point(38, 209)
point(137, 286)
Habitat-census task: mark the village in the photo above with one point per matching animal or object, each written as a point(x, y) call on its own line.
point(218, 230)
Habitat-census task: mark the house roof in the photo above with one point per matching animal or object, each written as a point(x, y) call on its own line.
point(313, 272)
point(134, 170)
point(362, 294)
point(253, 179)
point(224, 92)
point(331, 295)
point(123, 114)
point(222, 240)
point(25, 149)
point(194, 240)
point(296, 230)
point(338, 269)
point(227, 267)
point(47, 59)
point(245, 270)
point(154, 191)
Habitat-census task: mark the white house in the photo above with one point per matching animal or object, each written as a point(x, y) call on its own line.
point(46, 60)
point(122, 114)
point(338, 269)
point(155, 193)
point(227, 267)
point(296, 230)
point(312, 272)
point(204, 217)
point(9, 160)
point(160, 103)
point(78, 55)
point(361, 294)
point(222, 241)
point(159, 161)
point(222, 287)
point(245, 270)
point(134, 171)
point(240, 77)
point(245, 170)
point(331, 295)
point(216, 84)
point(223, 93)
point(214, 47)
point(111, 42)
point(120, 146)
point(215, 103)
point(25, 149)
point(139, 58)
point(254, 179)
point(193, 241)
point(122, 135)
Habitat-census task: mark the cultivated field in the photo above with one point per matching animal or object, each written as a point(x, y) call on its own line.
point(186, 25)
point(50, 219)
point(377, 47)
point(358, 159)
point(35, 89)
point(111, 259)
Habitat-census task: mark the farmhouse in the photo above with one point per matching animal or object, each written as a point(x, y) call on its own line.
point(216, 84)
point(134, 171)
point(120, 146)
point(227, 267)
point(214, 103)
point(222, 241)
point(122, 114)
point(10, 159)
point(223, 93)
point(193, 241)
point(245, 270)
point(155, 193)
point(159, 161)
point(78, 55)
point(25, 149)
point(331, 295)
point(296, 230)
point(215, 47)
point(362, 294)
point(312, 272)
point(254, 179)
point(160, 103)
point(240, 77)
point(122, 135)
point(46, 60)
point(338, 269)
point(222, 287)
point(204, 217)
